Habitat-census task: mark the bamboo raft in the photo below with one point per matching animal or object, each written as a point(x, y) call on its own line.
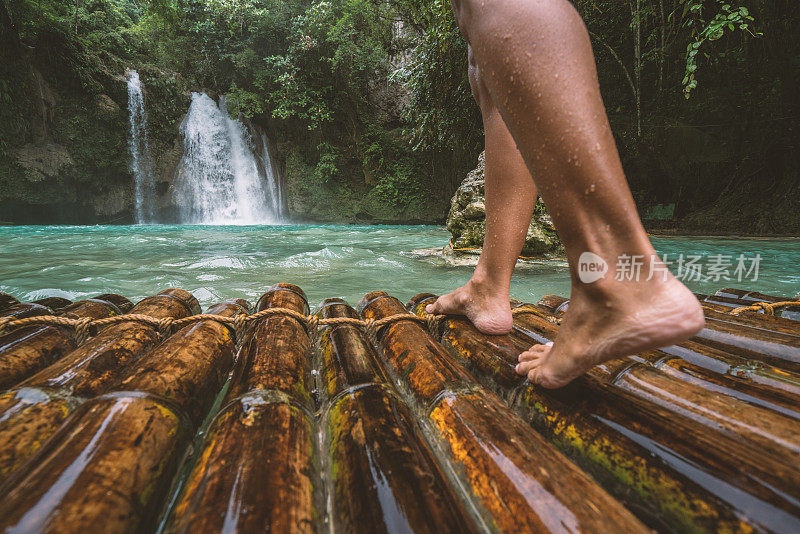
point(120, 418)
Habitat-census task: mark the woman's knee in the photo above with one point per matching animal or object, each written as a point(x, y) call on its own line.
point(479, 91)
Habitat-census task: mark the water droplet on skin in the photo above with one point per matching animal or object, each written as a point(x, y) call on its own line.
point(592, 188)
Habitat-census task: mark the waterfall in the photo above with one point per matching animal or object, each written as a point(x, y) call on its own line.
point(221, 178)
point(273, 180)
point(141, 167)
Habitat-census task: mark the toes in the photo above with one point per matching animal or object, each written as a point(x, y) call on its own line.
point(524, 367)
point(535, 351)
point(438, 307)
point(532, 363)
point(535, 376)
point(445, 304)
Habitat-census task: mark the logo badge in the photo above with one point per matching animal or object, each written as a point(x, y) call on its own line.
point(591, 267)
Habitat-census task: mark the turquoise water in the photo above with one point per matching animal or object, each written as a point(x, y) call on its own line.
point(216, 263)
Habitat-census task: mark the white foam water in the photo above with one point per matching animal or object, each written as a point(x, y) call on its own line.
point(221, 179)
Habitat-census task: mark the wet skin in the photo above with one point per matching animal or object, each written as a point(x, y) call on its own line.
point(533, 74)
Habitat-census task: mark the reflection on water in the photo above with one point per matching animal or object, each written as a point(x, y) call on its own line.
point(220, 262)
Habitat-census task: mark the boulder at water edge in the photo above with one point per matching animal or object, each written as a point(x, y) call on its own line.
point(467, 219)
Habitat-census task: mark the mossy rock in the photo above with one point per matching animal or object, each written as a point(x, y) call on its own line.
point(466, 220)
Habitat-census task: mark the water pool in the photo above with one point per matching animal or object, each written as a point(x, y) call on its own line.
point(220, 262)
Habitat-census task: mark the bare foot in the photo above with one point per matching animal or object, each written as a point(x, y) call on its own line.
point(608, 320)
point(483, 304)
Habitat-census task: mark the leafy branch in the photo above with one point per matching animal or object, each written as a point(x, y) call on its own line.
point(727, 20)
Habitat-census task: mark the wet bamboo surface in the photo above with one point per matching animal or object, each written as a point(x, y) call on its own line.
point(56, 304)
point(6, 301)
point(383, 474)
point(33, 410)
point(648, 452)
point(783, 318)
point(257, 470)
point(23, 310)
point(27, 350)
point(134, 435)
point(339, 428)
point(740, 297)
point(520, 480)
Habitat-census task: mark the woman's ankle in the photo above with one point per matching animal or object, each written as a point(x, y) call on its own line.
point(484, 285)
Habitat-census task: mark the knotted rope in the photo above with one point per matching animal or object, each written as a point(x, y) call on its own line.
point(768, 307)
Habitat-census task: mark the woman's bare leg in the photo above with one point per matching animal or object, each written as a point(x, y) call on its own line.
point(510, 198)
point(537, 64)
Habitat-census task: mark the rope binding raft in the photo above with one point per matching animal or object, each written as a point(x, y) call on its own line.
point(83, 327)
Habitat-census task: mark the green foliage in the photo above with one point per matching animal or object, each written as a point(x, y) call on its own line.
point(336, 51)
point(442, 114)
point(327, 168)
point(372, 102)
point(402, 187)
point(727, 19)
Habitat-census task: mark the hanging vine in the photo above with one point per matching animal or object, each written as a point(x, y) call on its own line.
point(727, 19)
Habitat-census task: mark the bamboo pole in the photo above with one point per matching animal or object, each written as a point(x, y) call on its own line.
point(27, 350)
point(6, 301)
point(786, 316)
point(754, 296)
point(57, 304)
point(773, 323)
point(23, 310)
point(384, 476)
point(774, 348)
point(113, 460)
point(518, 478)
point(257, 468)
point(123, 304)
point(32, 411)
point(661, 474)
